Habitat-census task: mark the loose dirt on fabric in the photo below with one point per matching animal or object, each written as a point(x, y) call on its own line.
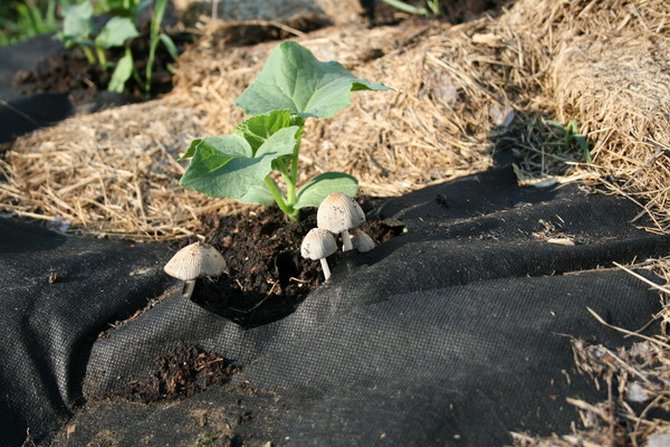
point(267, 278)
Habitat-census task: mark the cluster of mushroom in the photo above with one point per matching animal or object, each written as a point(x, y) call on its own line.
point(337, 214)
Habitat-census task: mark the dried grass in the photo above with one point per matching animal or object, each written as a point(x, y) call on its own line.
point(109, 174)
point(605, 64)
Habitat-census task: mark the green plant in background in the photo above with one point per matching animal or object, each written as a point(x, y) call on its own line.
point(118, 32)
point(431, 7)
point(124, 8)
point(572, 136)
point(155, 37)
point(292, 87)
point(25, 19)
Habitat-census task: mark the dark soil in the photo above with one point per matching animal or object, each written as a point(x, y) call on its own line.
point(267, 277)
point(70, 72)
point(186, 371)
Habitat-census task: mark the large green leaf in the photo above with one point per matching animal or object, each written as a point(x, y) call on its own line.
point(226, 166)
point(122, 72)
point(77, 21)
point(258, 195)
point(313, 192)
point(116, 32)
point(294, 79)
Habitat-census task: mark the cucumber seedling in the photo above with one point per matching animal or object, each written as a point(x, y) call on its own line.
point(292, 87)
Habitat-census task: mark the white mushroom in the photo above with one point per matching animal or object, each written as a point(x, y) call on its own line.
point(339, 213)
point(195, 261)
point(361, 241)
point(318, 244)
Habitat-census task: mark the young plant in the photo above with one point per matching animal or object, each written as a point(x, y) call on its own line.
point(119, 31)
point(20, 20)
point(432, 7)
point(155, 37)
point(572, 135)
point(292, 87)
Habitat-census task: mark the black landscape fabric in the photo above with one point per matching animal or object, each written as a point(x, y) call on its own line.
point(451, 334)
point(20, 114)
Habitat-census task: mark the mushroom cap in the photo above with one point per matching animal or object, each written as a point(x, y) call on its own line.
point(362, 241)
point(338, 212)
point(195, 261)
point(318, 244)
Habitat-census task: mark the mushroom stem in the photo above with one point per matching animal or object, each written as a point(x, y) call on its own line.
point(346, 241)
point(326, 269)
point(187, 291)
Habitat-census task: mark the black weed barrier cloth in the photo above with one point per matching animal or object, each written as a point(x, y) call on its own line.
point(21, 114)
point(452, 334)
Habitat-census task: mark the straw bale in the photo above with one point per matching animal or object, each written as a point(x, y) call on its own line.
point(111, 173)
point(605, 64)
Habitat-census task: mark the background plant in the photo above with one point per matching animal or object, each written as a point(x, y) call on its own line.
point(292, 87)
point(572, 137)
point(118, 32)
point(426, 8)
point(20, 20)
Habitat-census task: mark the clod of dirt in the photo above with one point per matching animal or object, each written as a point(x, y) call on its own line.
point(186, 371)
point(267, 278)
point(54, 277)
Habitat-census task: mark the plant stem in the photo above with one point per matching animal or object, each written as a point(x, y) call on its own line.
point(102, 59)
point(402, 6)
point(434, 6)
point(89, 54)
point(291, 190)
point(279, 199)
point(154, 38)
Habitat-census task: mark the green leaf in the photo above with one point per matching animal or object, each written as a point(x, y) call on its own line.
point(169, 45)
point(122, 72)
point(77, 21)
point(191, 149)
point(226, 167)
point(258, 195)
point(314, 191)
point(157, 16)
point(554, 123)
point(294, 79)
point(116, 32)
point(256, 130)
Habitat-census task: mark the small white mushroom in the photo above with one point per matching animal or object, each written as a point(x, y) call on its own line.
point(339, 213)
point(361, 241)
point(195, 261)
point(317, 245)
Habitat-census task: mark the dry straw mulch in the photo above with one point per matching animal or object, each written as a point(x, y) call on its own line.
point(608, 68)
point(460, 91)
